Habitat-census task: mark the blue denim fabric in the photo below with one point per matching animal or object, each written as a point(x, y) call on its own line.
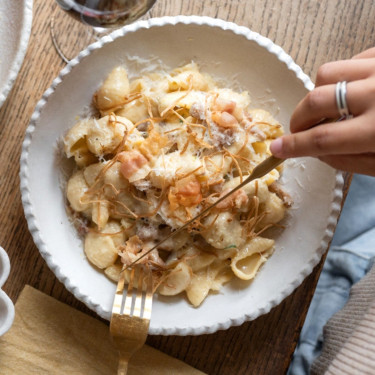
point(351, 255)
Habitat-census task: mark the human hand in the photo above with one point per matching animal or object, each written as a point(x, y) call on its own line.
point(350, 144)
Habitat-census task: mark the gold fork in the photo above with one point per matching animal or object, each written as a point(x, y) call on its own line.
point(131, 315)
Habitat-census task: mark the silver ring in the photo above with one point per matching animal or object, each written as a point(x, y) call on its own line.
point(342, 105)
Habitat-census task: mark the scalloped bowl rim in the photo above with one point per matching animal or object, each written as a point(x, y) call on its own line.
point(155, 22)
point(21, 51)
point(7, 320)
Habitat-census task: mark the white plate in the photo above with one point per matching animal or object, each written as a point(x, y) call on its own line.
point(6, 305)
point(15, 27)
point(225, 50)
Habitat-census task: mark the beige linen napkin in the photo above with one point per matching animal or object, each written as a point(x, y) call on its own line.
point(49, 337)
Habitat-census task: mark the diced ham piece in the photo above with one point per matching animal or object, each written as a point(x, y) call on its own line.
point(131, 162)
point(237, 199)
point(187, 192)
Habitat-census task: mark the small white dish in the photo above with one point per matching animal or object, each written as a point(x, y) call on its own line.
point(6, 305)
point(15, 28)
point(229, 52)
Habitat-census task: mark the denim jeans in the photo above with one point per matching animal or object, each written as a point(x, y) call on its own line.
point(350, 256)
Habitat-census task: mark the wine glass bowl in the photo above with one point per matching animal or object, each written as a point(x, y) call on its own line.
point(97, 18)
point(106, 13)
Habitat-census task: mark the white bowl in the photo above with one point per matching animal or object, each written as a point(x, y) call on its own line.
point(225, 50)
point(6, 305)
point(15, 27)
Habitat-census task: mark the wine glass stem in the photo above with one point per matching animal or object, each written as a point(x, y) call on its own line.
point(54, 41)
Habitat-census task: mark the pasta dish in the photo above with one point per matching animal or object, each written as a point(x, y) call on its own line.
point(158, 151)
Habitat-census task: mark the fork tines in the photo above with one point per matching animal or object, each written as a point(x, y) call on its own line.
point(138, 300)
point(131, 315)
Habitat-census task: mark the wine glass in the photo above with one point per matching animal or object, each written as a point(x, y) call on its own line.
point(97, 17)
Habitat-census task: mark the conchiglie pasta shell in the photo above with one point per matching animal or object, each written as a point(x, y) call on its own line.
point(113, 91)
point(102, 250)
point(113, 271)
point(209, 278)
point(177, 281)
point(135, 111)
point(77, 133)
point(182, 99)
point(187, 79)
point(197, 259)
point(91, 172)
point(105, 134)
point(247, 262)
point(75, 191)
point(220, 273)
point(223, 230)
point(198, 289)
point(75, 144)
point(114, 177)
point(165, 167)
point(274, 209)
point(200, 261)
point(266, 123)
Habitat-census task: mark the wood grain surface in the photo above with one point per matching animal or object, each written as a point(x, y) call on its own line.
point(312, 32)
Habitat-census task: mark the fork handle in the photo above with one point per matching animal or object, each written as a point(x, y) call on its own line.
point(122, 366)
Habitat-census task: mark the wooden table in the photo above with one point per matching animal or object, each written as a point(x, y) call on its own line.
point(312, 32)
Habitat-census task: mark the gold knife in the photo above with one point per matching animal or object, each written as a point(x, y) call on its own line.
point(260, 170)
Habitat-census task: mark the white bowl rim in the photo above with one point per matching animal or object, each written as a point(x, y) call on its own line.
point(155, 22)
point(4, 260)
point(7, 320)
point(21, 51)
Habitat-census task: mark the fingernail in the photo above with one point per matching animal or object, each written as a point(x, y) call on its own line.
point(276, 147)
